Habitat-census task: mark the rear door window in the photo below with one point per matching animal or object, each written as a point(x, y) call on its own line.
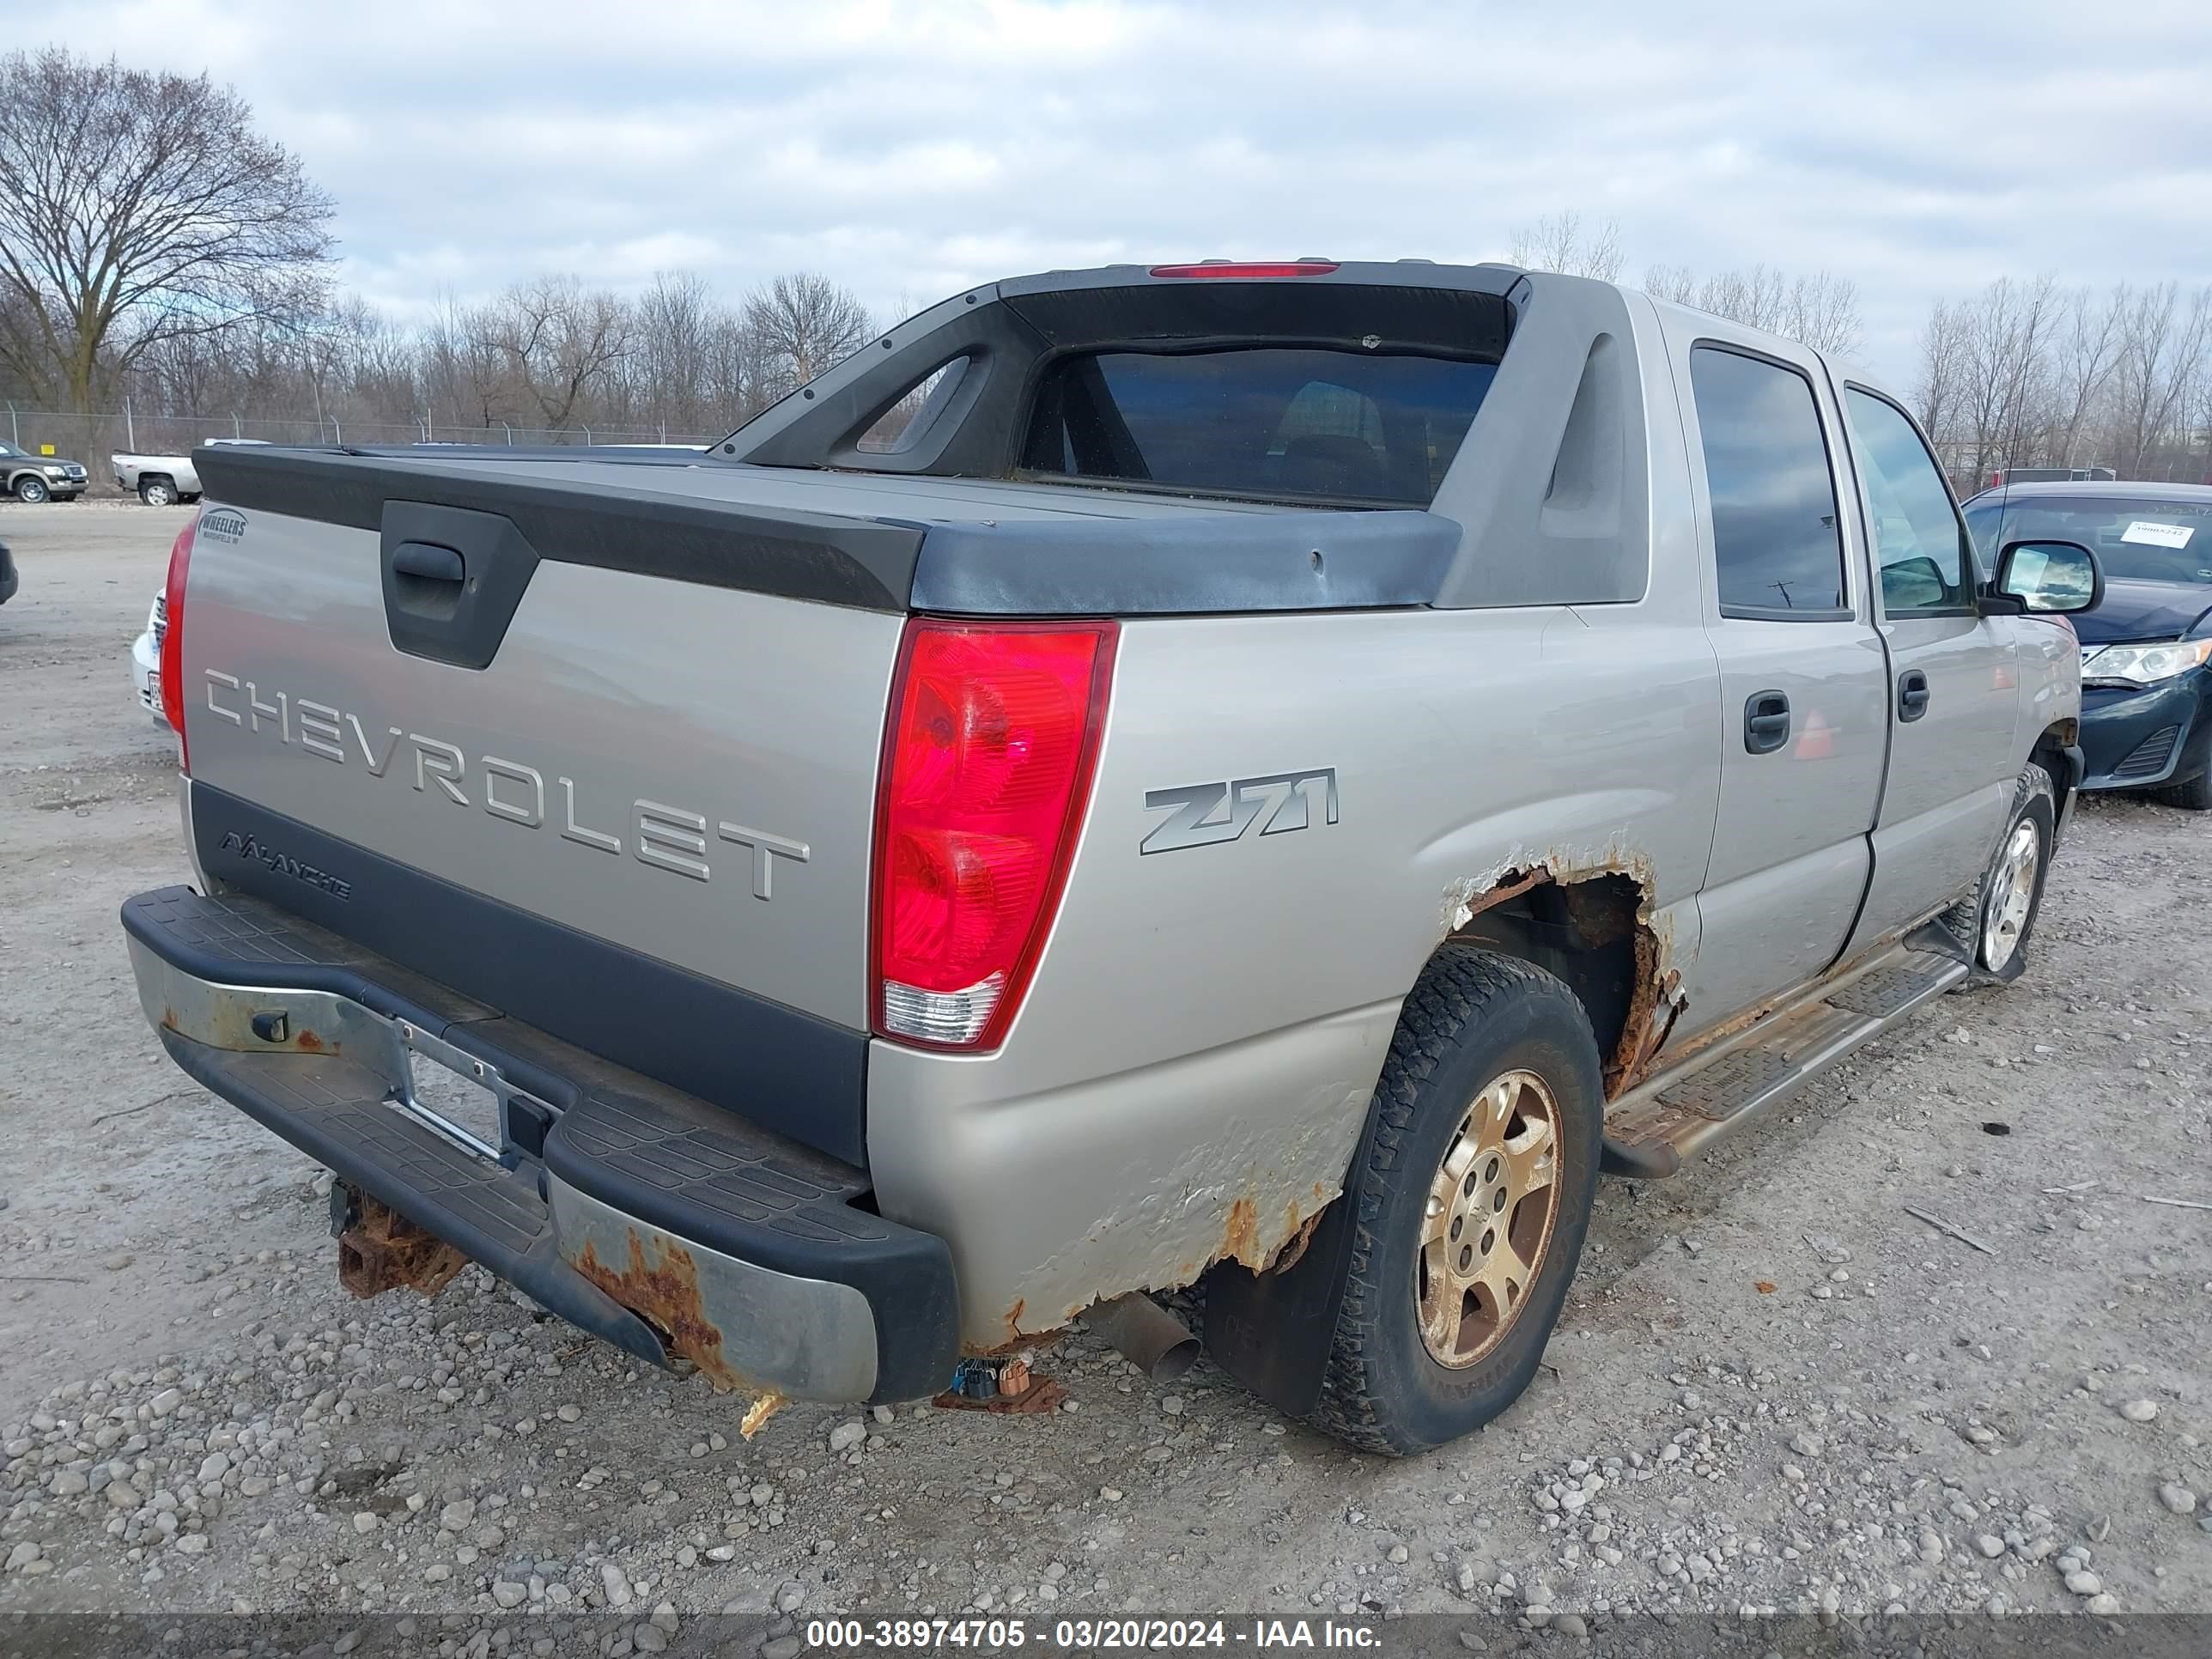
point(1775, 532)
point(1267, 421)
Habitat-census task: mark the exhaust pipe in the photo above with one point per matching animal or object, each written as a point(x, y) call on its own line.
point(1145, 1334)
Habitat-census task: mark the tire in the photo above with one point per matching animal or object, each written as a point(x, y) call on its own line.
point(2196, 794)
point(1474, 1022)
point(31, 489)
point(2003, 950)
point(157, 492)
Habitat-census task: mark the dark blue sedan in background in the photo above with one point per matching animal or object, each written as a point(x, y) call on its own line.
point(2146, 650)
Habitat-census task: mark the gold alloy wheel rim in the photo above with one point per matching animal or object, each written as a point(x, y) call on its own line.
point(1492, 1206)
point(2012, 892)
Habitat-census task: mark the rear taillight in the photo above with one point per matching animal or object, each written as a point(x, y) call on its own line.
point(172, 636)
point(992, 734)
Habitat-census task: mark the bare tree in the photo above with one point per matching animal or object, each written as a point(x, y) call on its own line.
point(2084, 351)
point(2163, 345)
point(1559, 243)
point(377, 365)
point(2029, 373)
point(557, 340)
point(801, 324)
point(1941, 386)
point(136, 208)
point(678, 326)
point(2005, 337)
point(1822, 310)
point(2202, 419)
point(1757, 297)
point(1677, 284)
point(463, 370)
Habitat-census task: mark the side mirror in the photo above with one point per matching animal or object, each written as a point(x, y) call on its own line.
point(2044, 579)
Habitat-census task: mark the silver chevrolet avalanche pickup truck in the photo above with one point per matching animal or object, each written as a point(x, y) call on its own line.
point(1266, 778)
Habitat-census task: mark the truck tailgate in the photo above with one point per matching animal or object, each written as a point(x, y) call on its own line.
point(636, 811)
point(688, 771)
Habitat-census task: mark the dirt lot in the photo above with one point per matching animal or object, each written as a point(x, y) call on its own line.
point(1773, 1389)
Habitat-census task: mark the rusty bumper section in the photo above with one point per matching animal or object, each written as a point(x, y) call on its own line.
point(746, 1326)
point(670, 1227)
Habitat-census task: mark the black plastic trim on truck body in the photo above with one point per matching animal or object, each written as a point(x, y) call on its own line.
point(1011, 333)
point(787, 1071)
point(1155, 567)
point(863, 562)
point(1198, 561)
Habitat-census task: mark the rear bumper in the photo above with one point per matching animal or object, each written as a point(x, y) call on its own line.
point(660, 1222)
point(2133, 740)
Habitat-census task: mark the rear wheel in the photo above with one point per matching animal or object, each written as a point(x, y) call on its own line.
point(1473, 1201)
point(32, 488)
point(157, 492)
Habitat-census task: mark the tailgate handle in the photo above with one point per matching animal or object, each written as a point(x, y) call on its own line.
point(452, 577)
point(427, 561)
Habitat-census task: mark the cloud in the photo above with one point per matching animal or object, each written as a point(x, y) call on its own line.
point(912, 149)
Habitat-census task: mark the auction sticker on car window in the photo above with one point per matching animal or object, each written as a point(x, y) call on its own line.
point(2158, 535)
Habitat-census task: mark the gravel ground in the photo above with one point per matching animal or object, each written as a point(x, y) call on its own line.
point(1772, 1389)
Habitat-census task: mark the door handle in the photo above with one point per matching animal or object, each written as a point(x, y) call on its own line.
point(1766, 722)
point(1911, 695)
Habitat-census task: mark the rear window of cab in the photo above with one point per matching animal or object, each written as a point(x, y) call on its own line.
point(1274, 422)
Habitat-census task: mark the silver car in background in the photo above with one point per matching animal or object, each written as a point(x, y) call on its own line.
point(165, 480)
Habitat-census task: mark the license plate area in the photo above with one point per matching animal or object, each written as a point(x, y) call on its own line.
point(465, 1099)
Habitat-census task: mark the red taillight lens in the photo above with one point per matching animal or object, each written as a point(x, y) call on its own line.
point(986, 773)
point(1249, 270)
point(172, 639)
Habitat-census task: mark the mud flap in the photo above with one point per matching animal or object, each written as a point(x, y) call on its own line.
point(2076, 765)
point(1273, 1331)
point(1938, 941)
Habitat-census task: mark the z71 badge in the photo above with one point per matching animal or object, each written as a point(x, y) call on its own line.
point(1201, 814)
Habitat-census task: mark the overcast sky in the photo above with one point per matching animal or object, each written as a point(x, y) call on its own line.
point(1919, 146)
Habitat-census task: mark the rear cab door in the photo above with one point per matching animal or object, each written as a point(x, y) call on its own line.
point(1803, 683)
point(1954, 691)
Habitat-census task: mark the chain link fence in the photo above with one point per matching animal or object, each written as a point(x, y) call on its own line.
point(91, 438)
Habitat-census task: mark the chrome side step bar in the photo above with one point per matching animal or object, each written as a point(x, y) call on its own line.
point(1685, 1109)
